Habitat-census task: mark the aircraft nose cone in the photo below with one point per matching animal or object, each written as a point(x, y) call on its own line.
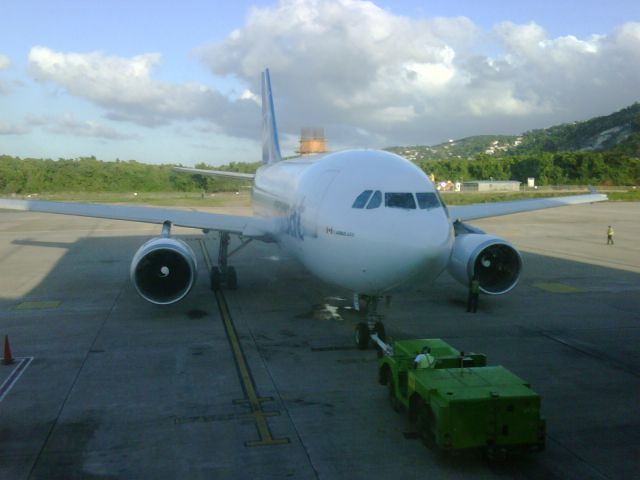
point(434, 246)
point(421, 252)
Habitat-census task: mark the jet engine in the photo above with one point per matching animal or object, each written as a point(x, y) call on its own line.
point(163, 270)
point(496, 262)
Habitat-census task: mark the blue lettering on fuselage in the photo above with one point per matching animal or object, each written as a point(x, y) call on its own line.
point(294, 223)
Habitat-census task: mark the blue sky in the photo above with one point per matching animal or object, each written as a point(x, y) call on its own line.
point(169, 82)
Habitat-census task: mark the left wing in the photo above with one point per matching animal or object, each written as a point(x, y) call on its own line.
point(483, 210)
point(215, 173)
point(253, 227)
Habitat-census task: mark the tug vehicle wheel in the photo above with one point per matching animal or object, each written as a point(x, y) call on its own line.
point(395, 404)
point(425, 424)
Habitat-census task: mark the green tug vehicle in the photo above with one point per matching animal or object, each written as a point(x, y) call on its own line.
point(458, 402)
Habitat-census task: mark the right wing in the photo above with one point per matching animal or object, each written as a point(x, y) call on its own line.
point(252, 227)
point(484, 210)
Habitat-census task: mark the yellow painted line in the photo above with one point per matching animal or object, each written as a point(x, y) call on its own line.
point(557, 288)
point(205, 253)
point(34, 305)
point(247, 381)
point(253, 399)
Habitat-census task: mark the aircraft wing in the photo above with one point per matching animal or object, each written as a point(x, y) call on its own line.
point(253, 227)
point(483, 210)
point(215, 173)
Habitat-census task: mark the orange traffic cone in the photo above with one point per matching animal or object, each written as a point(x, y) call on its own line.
point(8, 358)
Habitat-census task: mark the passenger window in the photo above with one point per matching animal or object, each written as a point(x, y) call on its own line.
point(361, 200)
point(427, 200)
point(399, 200)
point(376, 200)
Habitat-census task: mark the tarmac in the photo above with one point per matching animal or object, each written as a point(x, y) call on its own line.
point(265, 381)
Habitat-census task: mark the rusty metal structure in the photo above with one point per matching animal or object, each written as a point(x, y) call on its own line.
point(312, 141)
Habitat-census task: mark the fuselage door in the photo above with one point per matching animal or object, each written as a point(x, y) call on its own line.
point(314, 195)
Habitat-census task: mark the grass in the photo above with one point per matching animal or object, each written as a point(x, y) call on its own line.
point(159, 199)
point(243, 197)
point(459, 198)
point(632, 195)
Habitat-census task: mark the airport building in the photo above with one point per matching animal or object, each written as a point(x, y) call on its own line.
point(491, 186)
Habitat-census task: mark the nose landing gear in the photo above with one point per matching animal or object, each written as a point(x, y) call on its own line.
point(373, 325)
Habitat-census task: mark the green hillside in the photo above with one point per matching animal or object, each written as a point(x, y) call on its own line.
point(465, 148)
point(619, 132)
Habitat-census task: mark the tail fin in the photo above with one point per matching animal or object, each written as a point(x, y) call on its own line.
point(270, 142)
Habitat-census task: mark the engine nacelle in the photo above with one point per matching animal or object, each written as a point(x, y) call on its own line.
point(163, 270)
point(497, 263)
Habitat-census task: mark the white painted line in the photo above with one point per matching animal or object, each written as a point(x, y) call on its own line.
point(23, 363)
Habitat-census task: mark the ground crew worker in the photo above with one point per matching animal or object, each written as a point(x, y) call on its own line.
point(474, 293)
point(424, 359)
point(610, 235)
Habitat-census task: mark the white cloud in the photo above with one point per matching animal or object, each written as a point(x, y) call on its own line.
point(124, 87)
point(4, 61)
point(570, 75)
point(68, 125)
point(368, 76)
point(12, 129)
point(353, 64)
point(331, 56)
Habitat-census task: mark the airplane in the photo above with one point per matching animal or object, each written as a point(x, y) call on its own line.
point(368, 221)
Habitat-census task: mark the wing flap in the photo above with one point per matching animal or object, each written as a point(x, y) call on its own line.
point(484, 210)
point(253, 227)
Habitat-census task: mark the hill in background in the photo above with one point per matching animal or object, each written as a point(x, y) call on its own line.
point(618, 132)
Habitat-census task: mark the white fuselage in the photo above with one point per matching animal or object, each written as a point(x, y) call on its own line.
point(373, 249)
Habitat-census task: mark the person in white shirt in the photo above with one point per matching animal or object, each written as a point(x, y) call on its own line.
point(424, 359)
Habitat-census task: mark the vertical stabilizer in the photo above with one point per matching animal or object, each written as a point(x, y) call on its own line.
point(270, 142)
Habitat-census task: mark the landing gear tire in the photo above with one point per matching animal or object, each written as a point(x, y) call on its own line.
point(395, 404)
point(362, 336)
point(425, 424)
point(215, 278)
point(232, 278)
point(495, 455)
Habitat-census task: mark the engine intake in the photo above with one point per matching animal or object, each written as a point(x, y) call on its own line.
point(163, 270)
point(496, 262)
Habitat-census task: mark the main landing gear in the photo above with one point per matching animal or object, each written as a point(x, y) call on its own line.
point(373, 325)
point(223, 274)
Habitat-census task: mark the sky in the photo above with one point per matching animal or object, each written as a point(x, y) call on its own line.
point(179, 82)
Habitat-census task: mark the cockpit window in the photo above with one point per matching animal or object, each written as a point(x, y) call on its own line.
point(361, 199)
point(376, 200)
point(427, 200)
point(399, 200)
